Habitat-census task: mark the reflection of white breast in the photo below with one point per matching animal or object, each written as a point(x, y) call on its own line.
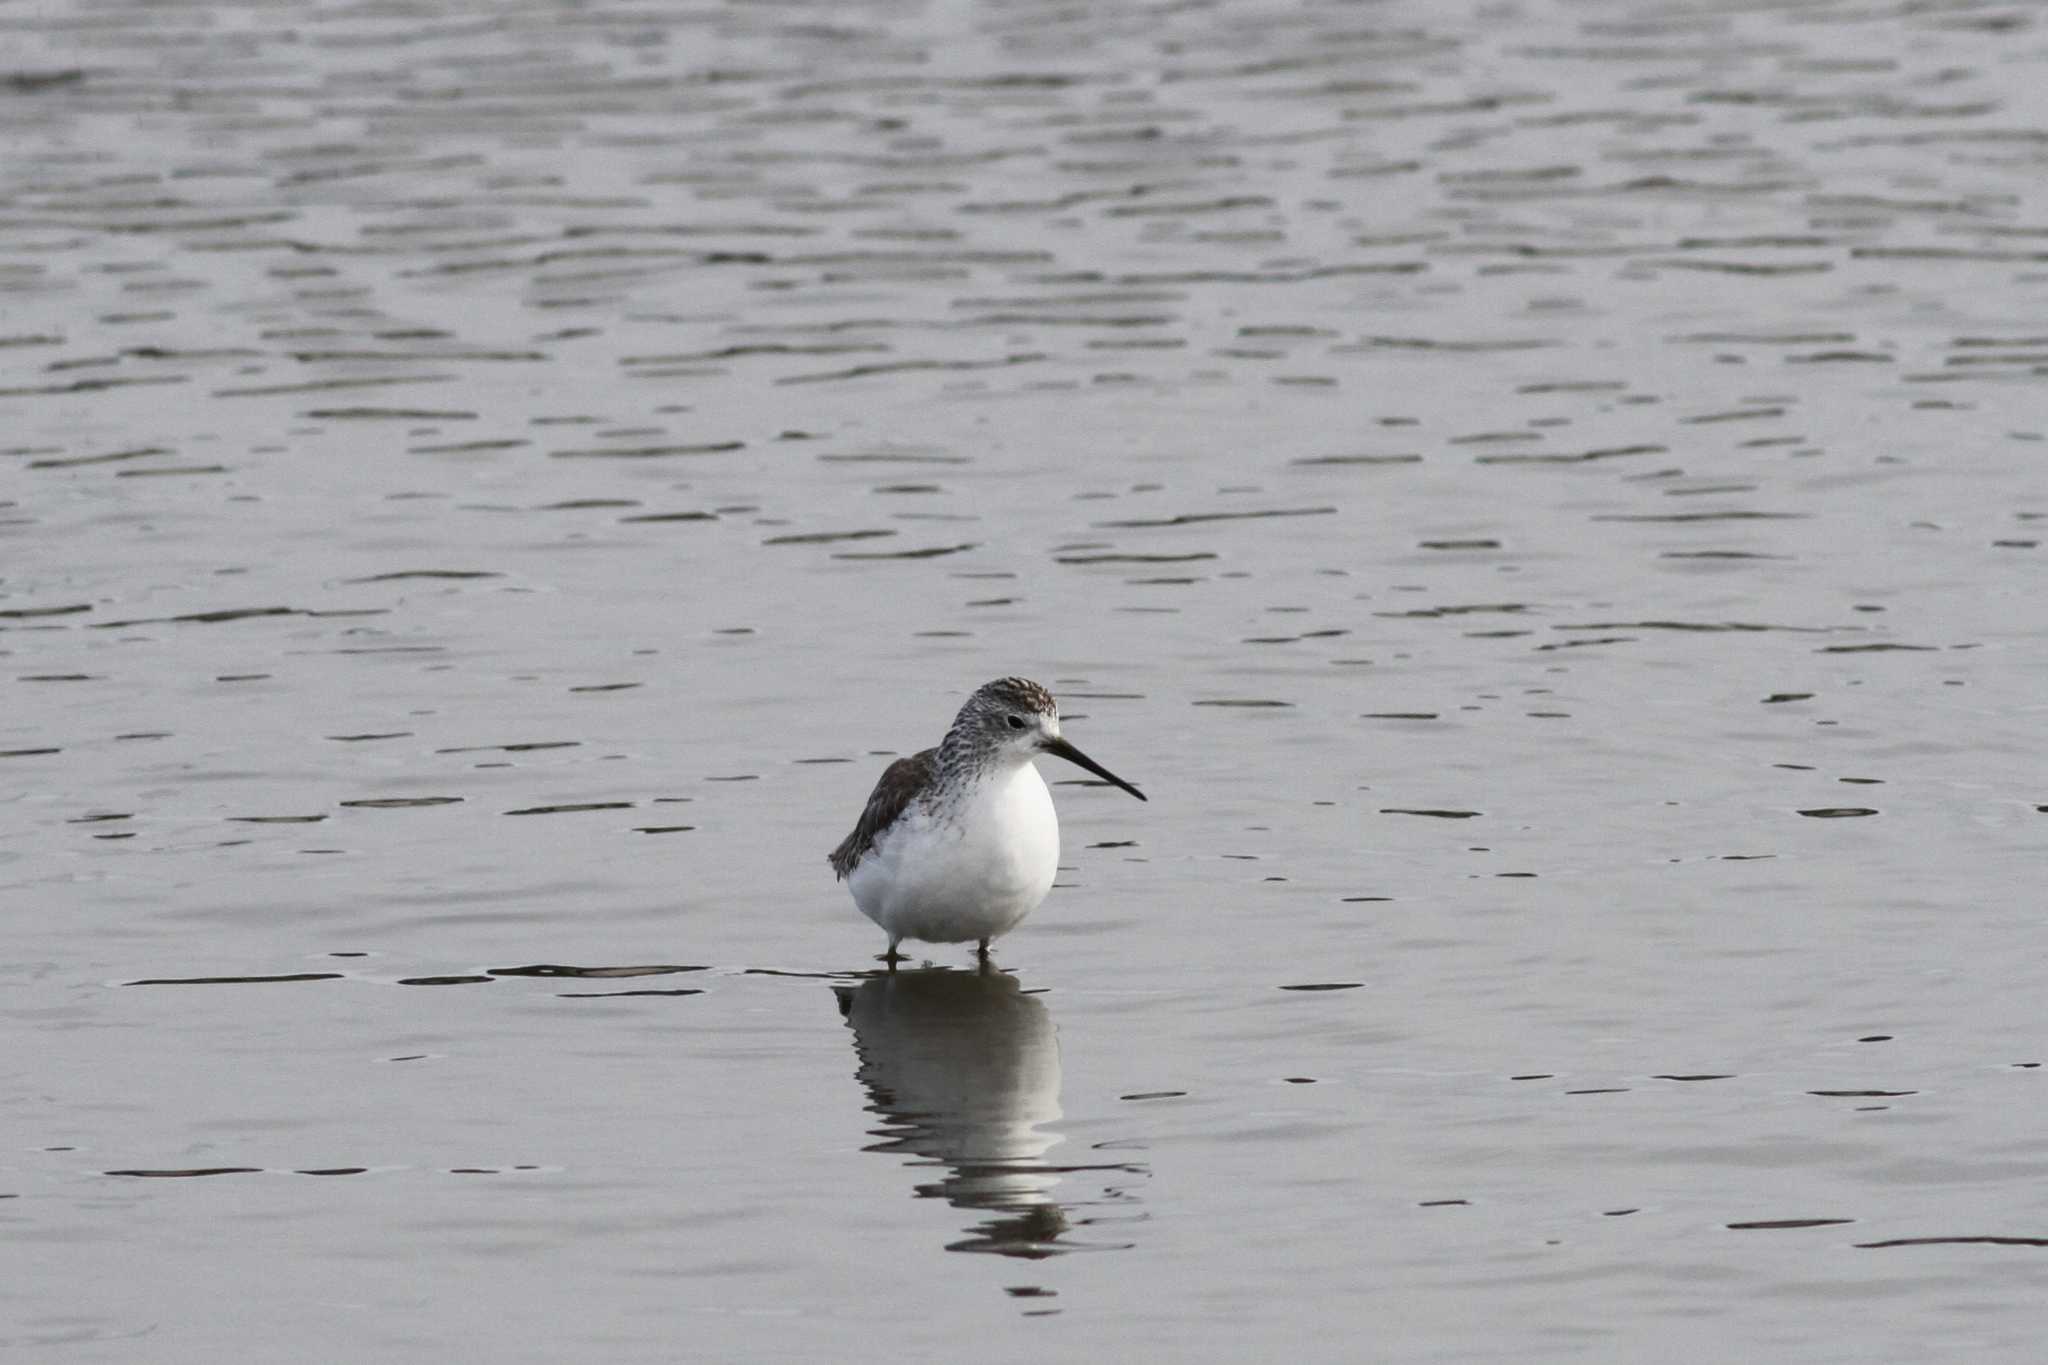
point(965, 1069)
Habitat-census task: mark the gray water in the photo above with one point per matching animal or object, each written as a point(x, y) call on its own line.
point(1546, 498)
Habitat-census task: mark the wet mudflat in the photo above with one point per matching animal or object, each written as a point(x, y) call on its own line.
point(1546, 499)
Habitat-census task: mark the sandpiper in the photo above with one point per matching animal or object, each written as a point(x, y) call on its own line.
point(959, 843)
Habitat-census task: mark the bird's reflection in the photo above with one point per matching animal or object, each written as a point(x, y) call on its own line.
point(964, 1069)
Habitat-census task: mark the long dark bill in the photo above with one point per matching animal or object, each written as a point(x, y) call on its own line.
point(1079, 759)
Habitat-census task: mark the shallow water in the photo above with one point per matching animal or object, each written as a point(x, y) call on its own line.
point(1545, 498)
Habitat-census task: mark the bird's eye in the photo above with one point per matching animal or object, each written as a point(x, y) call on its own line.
point(1016, 722)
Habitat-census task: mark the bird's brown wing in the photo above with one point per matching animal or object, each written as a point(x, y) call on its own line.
point(901, 780)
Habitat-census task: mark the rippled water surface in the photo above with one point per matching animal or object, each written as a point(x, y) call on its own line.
point(1546, 497)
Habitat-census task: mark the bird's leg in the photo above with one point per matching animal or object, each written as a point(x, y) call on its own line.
point(981, 953)
point(892, 957)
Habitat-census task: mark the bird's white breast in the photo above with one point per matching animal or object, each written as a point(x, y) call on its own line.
point(967, 866)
